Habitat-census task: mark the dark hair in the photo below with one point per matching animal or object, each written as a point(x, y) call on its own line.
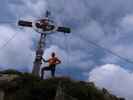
point(53, 54)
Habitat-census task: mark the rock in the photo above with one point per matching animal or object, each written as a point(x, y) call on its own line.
point(2, 95)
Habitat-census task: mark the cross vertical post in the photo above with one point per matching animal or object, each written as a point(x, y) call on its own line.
point(39, 55)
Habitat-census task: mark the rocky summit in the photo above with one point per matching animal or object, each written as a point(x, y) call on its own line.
point(24, 86)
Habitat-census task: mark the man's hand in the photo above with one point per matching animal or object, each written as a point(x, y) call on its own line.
point(44, 60)
point(58, 61)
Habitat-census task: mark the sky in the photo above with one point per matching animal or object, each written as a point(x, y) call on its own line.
point(107, 23)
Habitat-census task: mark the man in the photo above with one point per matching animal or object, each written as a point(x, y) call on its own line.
point(53, 61)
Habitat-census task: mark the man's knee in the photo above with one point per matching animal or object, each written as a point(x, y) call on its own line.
point(42, 70)
point(45, 68)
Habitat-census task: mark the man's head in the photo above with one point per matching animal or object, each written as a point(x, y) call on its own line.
point(53, 54)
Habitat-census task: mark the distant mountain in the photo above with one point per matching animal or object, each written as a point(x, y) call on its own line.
point(23, 86)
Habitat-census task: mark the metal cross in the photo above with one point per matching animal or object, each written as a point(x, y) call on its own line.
point(44, 27)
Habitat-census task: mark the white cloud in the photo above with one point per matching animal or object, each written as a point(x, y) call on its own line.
point(17, 52)
point(92, 30)
point(114, 78)
point(29, 9)
point(127, 23)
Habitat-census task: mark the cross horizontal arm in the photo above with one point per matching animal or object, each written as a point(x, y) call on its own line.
point(64, 29)
point(24, 23)
point(29, 24)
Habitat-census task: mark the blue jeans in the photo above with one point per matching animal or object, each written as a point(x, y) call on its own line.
point(51, 68)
